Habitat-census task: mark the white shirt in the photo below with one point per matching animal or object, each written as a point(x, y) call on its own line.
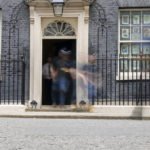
point(46, 71)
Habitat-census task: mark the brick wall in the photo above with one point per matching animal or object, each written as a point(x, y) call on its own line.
point(15, 46)
point(12, 48)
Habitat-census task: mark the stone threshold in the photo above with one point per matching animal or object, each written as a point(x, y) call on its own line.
point(66, 108)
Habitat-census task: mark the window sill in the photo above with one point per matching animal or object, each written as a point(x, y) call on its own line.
point(133, 76)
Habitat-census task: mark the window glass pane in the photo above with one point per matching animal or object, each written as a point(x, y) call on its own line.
point(125, 33)
point(146, 17)
point(124, 65)
point(136, 18)
point(146, 65)
point(146, 48)
point(124, 49)
point(146, 33)
point(135, 65)
point(135, 48)
point(136, 33)
point(125, 18)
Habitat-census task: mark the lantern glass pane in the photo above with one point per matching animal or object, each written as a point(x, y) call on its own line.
point(58, 9)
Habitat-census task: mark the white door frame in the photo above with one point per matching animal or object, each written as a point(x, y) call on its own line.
point(36, 16)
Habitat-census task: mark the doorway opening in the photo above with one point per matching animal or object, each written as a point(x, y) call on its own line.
point(51, 48)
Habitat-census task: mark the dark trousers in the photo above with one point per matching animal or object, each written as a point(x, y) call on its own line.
point(60, 89)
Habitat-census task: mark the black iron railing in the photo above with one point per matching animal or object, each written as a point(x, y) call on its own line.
point(14, 48)
point(12, 81)
point(122, 81)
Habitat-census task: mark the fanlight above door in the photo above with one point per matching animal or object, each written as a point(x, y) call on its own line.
point(59, 28)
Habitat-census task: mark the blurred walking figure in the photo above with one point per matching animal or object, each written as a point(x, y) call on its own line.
point(61, 76)
point(47, 81)
point(90, 74)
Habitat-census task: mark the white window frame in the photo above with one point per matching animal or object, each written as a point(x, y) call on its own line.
point(131, 75)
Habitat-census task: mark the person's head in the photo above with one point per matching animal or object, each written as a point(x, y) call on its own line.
point(49, 59)
point(92, 58)
point(64, 53)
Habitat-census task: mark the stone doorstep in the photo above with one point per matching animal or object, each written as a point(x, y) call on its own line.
point(66, 108)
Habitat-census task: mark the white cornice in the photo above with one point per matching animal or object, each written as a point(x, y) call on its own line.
point(70, 3)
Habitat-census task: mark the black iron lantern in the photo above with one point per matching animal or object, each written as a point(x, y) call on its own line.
point(58, 6)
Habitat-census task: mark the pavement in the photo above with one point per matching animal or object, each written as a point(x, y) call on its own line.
point(73, 134)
